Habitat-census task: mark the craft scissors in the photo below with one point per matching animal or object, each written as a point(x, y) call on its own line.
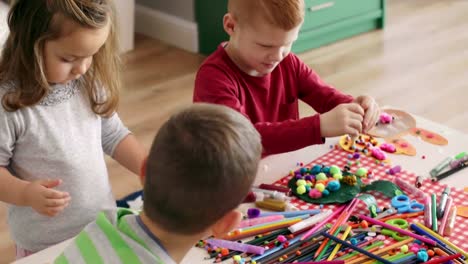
point(398, 222)
point(404, 205)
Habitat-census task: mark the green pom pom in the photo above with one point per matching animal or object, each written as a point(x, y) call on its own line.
point(321, 177)
point(338, 176)
point(301, 189)
point(320, 187)
point(361, 172)
point(301, 182)
point(335, 170)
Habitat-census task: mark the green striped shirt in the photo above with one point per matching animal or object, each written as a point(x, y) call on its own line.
point(117, 236)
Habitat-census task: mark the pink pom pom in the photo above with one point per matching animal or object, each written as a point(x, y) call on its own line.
point(378, 154)
point(281, 238)
point(395, 170)
point(315, 194)
point(387, 147)
point(385, 118)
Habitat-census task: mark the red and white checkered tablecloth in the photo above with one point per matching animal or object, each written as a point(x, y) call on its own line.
point(340, 158)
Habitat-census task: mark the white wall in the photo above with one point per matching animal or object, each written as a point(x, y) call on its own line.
point(172, 21)
point(125, 20)
point(126, 23)
point(3, 22)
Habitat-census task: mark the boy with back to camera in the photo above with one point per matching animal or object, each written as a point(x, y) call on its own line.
point(201, 166)
point(256, 74)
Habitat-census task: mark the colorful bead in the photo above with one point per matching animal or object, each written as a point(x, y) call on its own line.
point(404, 248)
point(364, 224)
point(422, 255)
point(281, 238)
point(224, 252)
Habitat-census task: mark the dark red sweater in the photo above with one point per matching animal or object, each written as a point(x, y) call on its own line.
point(271, 101)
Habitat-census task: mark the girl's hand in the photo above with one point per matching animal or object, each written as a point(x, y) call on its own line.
point(371, 109)
point(41, 196)
point(343, 119)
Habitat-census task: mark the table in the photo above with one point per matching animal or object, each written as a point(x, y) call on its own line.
point(275, 167)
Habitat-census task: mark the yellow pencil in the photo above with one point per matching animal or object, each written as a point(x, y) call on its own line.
point(434, 234)
point(338, 245)
point(380, 251)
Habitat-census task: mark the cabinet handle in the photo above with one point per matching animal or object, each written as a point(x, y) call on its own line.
point(321, 6)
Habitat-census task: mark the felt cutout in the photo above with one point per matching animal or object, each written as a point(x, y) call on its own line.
point(429, 136)
point(462, 211)
point(363, 145)
point(387, 188)
point(402, 122)
point(402, 146)
point(348, 192)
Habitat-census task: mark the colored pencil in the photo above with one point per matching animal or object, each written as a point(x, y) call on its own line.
point(385, 249)
point(319, 225)
point(291, 242)
point(322, 262)
point(402, 216)
point(373, 256)
point(310, 221)
point(443, 259)
point(450, 244)
point(440, 243)
point(338, 245)
point(342, 218)
point(324, 250)
point(399, 230)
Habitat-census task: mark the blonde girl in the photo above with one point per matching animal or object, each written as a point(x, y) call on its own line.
point(59, 82)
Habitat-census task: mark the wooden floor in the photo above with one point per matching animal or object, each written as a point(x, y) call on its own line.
point(418, 63)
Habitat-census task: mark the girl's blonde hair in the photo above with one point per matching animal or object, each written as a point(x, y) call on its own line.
point(31, 24)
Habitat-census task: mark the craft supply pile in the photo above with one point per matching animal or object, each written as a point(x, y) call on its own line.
point(352, 205)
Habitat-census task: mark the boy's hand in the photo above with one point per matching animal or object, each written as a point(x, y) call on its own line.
point(343, 119)
point(43, 199)
point(371, 109)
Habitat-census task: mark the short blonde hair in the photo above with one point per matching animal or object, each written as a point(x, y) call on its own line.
point(286, 14)
point(31, 24)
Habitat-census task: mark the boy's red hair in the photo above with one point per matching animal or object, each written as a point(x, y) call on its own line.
point(286, 14)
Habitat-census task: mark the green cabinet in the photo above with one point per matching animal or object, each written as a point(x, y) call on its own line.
point(326, 21)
